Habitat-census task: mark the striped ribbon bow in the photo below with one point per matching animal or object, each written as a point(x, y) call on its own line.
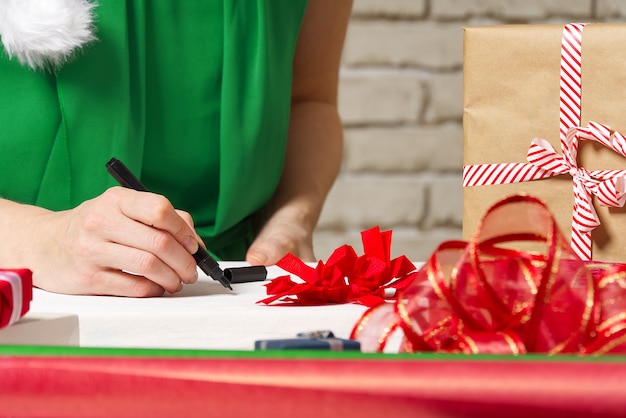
point(609, 186)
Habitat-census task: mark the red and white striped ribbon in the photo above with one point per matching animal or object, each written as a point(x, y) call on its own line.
point(609, 186)
point(571, 77)
point(570, 101)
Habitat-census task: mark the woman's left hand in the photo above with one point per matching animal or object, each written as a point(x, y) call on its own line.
point(285, 232)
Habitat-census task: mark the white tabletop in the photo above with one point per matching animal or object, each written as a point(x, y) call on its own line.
point(203, 315)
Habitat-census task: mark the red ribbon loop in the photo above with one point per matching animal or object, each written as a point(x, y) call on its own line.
point(345, 277)
point(516, 287)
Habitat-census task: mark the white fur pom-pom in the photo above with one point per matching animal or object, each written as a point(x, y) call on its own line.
point(45, 33)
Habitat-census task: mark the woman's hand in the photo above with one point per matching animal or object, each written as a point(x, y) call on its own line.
point(122, 242)
point(286, 231)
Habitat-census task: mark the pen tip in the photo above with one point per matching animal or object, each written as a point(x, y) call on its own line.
point(225, 282)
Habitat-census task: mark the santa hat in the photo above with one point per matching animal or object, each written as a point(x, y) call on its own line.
point(45, 33)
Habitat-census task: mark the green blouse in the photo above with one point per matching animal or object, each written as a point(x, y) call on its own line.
point(193, 95)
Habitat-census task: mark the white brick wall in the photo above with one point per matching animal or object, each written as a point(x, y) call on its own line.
point(401, 102)
point(384, 97)
point(611, 8)
point(513, 10)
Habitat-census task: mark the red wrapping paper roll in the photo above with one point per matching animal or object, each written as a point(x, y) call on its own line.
point(425, 387)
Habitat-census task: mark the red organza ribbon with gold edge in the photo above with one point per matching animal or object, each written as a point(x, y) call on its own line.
point(16, 293)
point(516, 287)
point(345, 277)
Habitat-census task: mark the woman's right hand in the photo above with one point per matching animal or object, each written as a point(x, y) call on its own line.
point(123, 242)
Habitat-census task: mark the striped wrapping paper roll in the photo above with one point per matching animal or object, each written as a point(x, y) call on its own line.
point(16, 293)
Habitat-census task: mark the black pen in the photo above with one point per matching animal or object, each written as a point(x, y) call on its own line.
point(203, 259)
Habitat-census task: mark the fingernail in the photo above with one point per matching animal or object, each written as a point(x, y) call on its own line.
point(260, 257)
point(180, 287)
point(191, 244)
point(195, 277)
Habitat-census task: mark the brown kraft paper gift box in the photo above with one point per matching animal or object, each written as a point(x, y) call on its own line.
point(511, 95)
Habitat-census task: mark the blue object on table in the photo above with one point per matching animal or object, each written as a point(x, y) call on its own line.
point(316, 340)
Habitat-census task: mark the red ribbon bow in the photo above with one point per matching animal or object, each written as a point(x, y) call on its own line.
point(516, 287)
point(345, 277)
